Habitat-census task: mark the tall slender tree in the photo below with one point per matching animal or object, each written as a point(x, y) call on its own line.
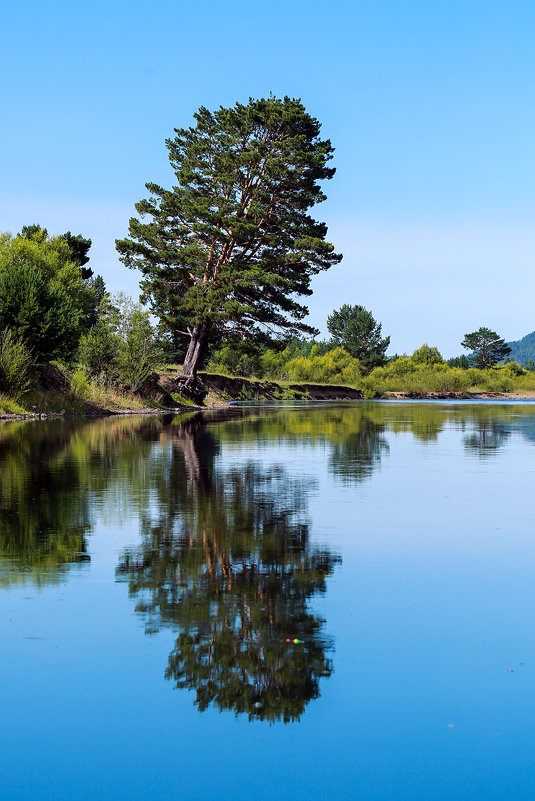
point(356, 329)
point(230, 247)
point(487, 347)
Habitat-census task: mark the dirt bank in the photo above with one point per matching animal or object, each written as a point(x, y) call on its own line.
point(164, 393)
point(237, 389)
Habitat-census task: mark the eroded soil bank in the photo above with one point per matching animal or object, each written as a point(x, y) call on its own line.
point(164, 393)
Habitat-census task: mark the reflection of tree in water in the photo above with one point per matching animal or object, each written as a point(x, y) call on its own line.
point(355, 458)
point(44, 514)
point(489, 434)
point(51, 474)
point(229, 561)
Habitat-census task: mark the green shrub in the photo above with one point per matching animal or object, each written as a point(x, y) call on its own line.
point(427, 355)
point(139, 352)
point(38, 312)
point(515, 368)
point(334, 367)
point(99, 349)
point(79, 381)
point(15, 364)
point(230, 360)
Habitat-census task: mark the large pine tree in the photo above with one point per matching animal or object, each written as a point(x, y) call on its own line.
point(229, 248)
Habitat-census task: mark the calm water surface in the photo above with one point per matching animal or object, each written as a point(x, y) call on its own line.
point(316, 601)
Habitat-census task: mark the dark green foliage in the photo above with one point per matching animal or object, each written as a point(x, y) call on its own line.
point(98, 302)
point(79, 247)
point(303, 347)
point(33, 231)
point(459, 361)
point(98, 350)
point(236, 361)
point(60, 259)
point(514, 367)
point(356, 330)
point(139, 352)
point(530, 365)
point(230, 247)
point(15, 365)
point(41, 314)
point(486, 347)
point(122, 344)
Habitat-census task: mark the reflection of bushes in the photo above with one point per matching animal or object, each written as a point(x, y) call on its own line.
point(51, 473)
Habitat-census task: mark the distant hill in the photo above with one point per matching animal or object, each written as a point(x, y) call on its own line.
point(523, 349)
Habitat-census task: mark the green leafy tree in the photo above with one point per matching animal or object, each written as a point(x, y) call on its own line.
point(139, 351)
point(459, 361)
point(15, 364)
point(486, 347)
point(99, 349)
point(79, 247)
point(230, 247)
point(60, 260)
point(41, 314)
point(427, 354)
point(356, 330)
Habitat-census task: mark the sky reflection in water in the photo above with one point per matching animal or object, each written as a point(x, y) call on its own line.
point(394, 540)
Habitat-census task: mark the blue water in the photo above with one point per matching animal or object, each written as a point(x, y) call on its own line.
point(398, 537)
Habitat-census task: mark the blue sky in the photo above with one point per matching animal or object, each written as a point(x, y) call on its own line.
point(430, 107)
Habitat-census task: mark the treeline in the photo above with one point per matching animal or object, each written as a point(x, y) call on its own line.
point(327, 363)
point(356, 355)
point(54, 308)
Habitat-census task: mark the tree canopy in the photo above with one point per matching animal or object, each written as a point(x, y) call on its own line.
point(356, 330)
point(60, 262)
point(42, 314)
point(486, 346)
point(230, 247)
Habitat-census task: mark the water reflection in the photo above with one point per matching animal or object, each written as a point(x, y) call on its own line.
point(56, 476)
point(44, 512)
point(358, 454)
point(488, 435)
point(227, 559)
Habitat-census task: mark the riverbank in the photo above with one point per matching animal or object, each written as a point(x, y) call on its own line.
point(55, 397)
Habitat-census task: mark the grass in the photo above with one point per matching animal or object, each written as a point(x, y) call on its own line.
point(10, 406)
point(178, 398)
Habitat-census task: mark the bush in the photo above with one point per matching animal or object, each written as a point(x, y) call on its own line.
point(15, 364)
point(99, 349)
point(273, 364)
point(515, 368)
point(336, 366)
point(427, 355)
point(230, 360)
point(139, 352)
point(80, 382)
point(38, 313)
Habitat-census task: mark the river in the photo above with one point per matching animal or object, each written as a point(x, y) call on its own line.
point(270, 601)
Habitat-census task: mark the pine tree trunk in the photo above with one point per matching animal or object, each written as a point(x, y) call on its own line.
point(194, 353)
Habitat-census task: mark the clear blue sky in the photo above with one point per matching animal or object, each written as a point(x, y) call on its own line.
point(430, 106)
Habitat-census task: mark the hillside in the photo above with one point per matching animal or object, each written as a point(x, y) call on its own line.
point(523, 349)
